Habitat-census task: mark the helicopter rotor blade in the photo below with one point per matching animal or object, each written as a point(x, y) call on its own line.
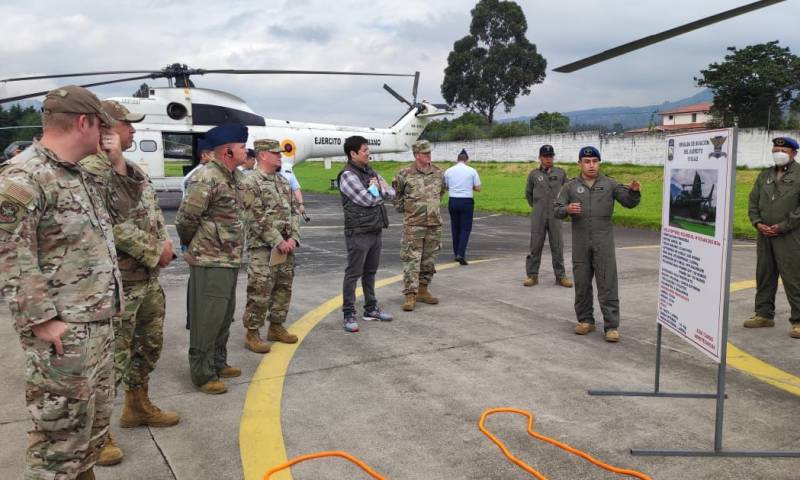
point(667, 34)
point(86, 85)
point(301, 72)
point(84, 74)
point(414, 88)
point(397, 95)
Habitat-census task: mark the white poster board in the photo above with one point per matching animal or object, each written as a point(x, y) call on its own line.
point(695, 232)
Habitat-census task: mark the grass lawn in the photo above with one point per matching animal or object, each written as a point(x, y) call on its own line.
point(504, 189)
point(174, 169)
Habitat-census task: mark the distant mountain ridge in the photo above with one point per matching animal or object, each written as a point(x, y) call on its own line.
point(629, 117)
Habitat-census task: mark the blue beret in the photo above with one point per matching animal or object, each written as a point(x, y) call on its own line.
point(463, 153)
point(546, 150)
point(589, 152)
point(202, 145)
point(231, 133)
point(785, 142)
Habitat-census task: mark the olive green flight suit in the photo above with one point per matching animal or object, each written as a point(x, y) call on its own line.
point(777, 201)
point(541, 191)
point(593, 243)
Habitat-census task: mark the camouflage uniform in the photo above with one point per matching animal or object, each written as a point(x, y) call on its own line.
point(138, 332)
point(418, 195)
point(58, 261)
point(268, 201)
point(209, 222)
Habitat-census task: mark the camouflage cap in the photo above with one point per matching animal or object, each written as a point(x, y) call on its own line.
point(422, 146)
point(267, 145)
point(120, 113)
point(75, 99)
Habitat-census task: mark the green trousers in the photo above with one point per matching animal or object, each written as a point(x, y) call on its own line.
point(212, 292)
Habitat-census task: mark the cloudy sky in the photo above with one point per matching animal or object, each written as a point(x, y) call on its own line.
point(53, 36)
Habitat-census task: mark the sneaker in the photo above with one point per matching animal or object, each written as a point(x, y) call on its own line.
point(612, 335)
point(583, 328)
point(564, 282)
point(757, 321)
point(795, 331)
point(350, 324)
point(378, 315)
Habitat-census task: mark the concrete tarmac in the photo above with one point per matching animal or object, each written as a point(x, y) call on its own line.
point(406, 396)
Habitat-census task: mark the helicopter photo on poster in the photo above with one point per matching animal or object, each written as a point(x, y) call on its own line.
point(693, 201)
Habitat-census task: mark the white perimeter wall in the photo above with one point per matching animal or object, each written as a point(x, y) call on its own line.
point(754, 148)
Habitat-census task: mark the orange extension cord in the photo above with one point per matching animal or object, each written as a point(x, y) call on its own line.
point(303, 458)
point(563, 446)
point(482, 427)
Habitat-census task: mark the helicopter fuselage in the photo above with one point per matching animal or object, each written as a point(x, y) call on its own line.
point(175, 118)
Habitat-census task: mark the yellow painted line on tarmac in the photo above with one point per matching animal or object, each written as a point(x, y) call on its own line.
point(260, 432)
point(743, 361)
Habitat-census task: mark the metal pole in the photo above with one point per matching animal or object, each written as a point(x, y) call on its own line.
point(658, 357)
point(723, 361)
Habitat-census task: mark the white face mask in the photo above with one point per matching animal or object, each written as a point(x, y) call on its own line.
point(780, 158)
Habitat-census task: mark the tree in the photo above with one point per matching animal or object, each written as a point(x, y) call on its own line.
point(549, 122)
point(510, 129)
point(17, 116)
point(754, 85)
point(495, 63)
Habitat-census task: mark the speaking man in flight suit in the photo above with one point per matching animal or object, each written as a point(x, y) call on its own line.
point(589, 200)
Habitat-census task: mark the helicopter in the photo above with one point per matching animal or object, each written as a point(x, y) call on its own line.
point(687, 201)
point(178, 115)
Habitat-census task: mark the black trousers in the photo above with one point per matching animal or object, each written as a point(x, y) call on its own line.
point(461, 210)
point(363, 258)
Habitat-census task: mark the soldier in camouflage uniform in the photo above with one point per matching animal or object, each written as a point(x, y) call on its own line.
point(143, 246)
point(274, 225)
point(419, 189)
point(209, 225)
point(774, 210)
point(589, 199)
point(58, 268)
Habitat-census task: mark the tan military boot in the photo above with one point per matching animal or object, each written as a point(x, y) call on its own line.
point(531, 281)
point(411, 301)
point(138, 410)
point(213, 387)
point(564, 282)
point(583, 328)
point(110, 454)
point(612, 335)
point(254, 343)
point(229, 372)
point(757, 321)
point(87, 475)
point(424, 296)
point(795, 331)
point(277, 333)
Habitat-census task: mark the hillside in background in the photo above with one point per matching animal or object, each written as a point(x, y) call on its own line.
point(629, 117)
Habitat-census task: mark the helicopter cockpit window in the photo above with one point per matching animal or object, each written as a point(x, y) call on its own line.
point(178, 145)
point(148, 146)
